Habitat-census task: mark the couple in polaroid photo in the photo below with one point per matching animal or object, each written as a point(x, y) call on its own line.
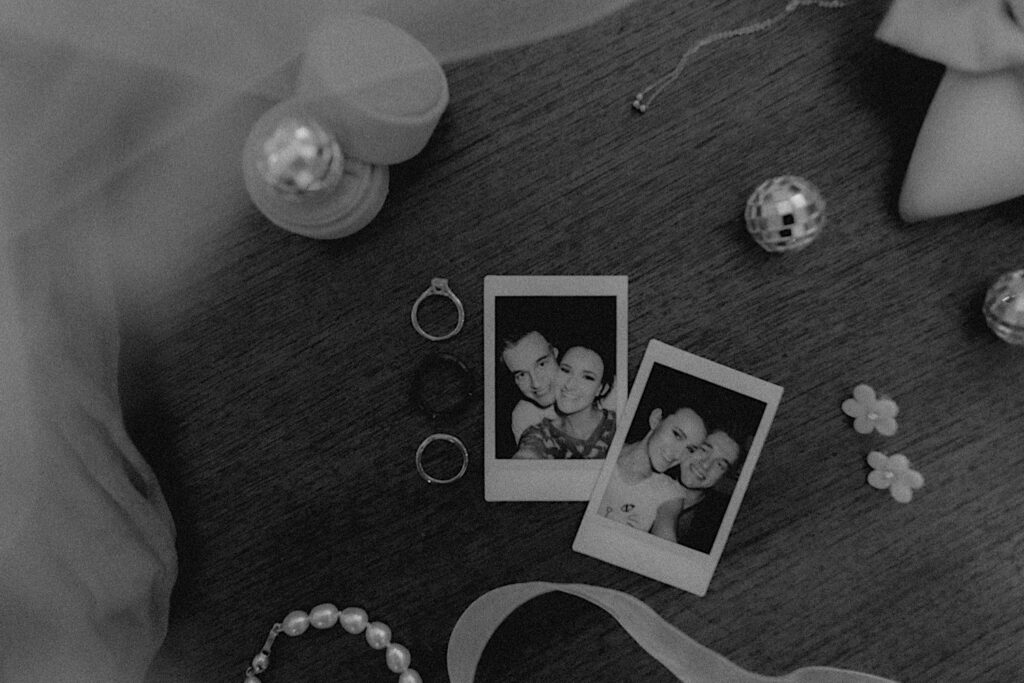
point(562, 413)
point(666, 482)
point(664, 493)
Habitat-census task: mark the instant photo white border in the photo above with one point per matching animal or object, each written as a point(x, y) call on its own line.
point(645, 553)
point(546, 480)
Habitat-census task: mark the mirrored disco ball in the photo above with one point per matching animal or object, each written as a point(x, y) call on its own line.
point(300, 157)
point(1004, 307)
point(785, 213)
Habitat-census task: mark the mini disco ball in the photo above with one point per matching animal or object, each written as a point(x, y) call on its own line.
point(300, 157)
point(785, 214)
point(1004, 307)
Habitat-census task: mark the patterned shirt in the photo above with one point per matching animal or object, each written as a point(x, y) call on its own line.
point(549, 442)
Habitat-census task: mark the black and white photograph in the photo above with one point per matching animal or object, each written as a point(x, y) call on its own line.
point(339, 313)
point(555, 382)
point(676, 473)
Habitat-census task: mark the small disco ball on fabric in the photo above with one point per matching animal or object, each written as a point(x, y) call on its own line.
point(785, 214)
point(1004, 307)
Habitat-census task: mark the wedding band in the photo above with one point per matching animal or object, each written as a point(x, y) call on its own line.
point(450, 439)
point(438, 287)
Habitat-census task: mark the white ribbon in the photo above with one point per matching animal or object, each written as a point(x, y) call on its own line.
point(687, 659)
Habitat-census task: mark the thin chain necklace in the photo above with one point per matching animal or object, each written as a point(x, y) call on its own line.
point(645, 98)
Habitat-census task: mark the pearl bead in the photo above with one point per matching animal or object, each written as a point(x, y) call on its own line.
point(296, 623)
point(397, 657)
point(410, 676)
point(323, 616)
point(378, 635)
point(260, 663)
point(353, 619)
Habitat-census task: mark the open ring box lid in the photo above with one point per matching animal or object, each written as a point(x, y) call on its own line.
point(379, 87)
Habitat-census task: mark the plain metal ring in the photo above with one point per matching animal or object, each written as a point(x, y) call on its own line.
point(450, 439)
point(438, 287)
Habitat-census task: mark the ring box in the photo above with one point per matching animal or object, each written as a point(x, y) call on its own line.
point(380, 88)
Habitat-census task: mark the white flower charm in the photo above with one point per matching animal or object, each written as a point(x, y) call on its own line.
point(870, 412)
point(893, 472)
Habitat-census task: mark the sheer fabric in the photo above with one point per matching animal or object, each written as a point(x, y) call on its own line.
point(122, 124)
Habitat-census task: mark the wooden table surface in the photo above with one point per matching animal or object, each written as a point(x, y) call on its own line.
point(278, 420)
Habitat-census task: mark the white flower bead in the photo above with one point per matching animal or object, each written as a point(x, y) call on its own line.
point(397, 657)
point(296, 623)
point(260, 663)
point(323, 616)
point(378, 635)
point(353, 619)
point(410, 676)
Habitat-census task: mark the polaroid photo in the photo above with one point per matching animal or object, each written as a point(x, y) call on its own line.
point(555, 364)
point(667, 495)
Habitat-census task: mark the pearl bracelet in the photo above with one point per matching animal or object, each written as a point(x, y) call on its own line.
point(352, 619)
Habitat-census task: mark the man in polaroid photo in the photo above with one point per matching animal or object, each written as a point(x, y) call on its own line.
point(639, 493)
point(696, 516)
point(533, 363)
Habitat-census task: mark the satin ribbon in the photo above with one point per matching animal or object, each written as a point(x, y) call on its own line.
point(687, 659)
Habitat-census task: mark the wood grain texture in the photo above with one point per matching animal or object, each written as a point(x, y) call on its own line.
point(279, 423)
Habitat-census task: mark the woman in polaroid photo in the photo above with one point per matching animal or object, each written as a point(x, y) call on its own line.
point(639, 493)
point(580, 428)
